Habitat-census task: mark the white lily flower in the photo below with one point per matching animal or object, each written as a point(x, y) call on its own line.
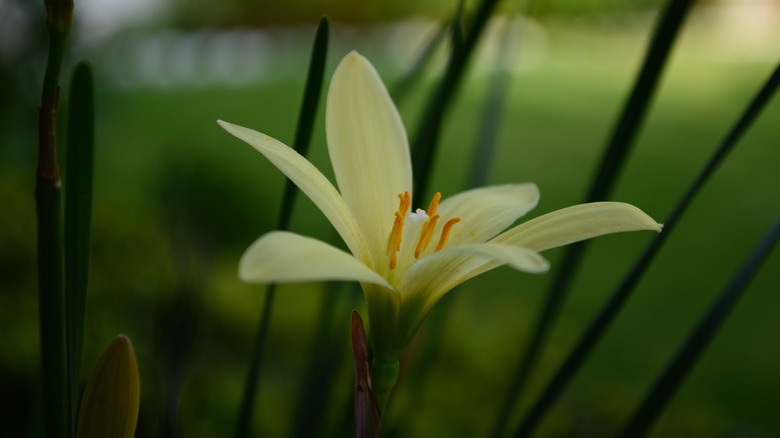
point(405, 259)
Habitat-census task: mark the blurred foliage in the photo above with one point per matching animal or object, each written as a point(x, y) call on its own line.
point(284, 12)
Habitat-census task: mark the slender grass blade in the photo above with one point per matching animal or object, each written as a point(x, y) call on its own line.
point(676, 372)
point(303, 132)
point(427, 134)
point(78, 217)
point(48, 200)
point(611, 308)
point(611, 163)
point(402, 88)
point(482, 158)
point(326, 354)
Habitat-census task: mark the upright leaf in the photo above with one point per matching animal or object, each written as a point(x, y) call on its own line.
point(612, 307)
point(427, 135)
point(78, 217)
point(606, 174)
point(685, 359)
point(311, 97)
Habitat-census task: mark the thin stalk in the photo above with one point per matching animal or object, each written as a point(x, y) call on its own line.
point(78, 218)
point(606, 315)
point(427, 134)
point(243, 425)
point(401, 89)
point(325, 355)
point(59, 20)
point(482, 158)
point(311, 97)
point(618, 147)
point(689, 354)
point(51, 297)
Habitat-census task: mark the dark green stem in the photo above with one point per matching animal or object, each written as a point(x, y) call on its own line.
point(78, 218)
point(619, 145)
point(612, 307)
point(52, 312)
point(699, 339)
point(56, 413)
point(243, 424)
point(427, 135)
point(303, 132)
point(59, 20)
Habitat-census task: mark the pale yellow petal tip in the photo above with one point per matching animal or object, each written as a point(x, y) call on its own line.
point(245, 264)
point(225, 125)
point(354, 59)
point(642, 219)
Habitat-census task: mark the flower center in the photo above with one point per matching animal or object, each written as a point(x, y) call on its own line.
point(426, 233)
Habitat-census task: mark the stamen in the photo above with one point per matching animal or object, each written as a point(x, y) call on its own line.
point(445, 233)
point(396, 234)
point(425, 235)
point(434, 204)
point(406, 202)
point(428, 226)
point(394, 240)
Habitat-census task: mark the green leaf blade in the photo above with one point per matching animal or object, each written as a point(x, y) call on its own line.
point(78, 217)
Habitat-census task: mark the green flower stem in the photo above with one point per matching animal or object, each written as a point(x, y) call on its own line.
point(383, 378)
point(59, 20)
point(48, 198)
point(51, 307)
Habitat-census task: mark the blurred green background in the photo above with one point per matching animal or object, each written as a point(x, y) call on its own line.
point(177, 200)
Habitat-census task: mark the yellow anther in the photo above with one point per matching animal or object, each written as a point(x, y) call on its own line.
point(406, 202)
point(394, 240)
point(399, 220)
point(425, 235)
point(434, 205)
point(396, 234)
point(445, 233)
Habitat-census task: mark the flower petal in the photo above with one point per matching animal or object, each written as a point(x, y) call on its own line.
point(441, 271)
point(281, 256)
point(368, 148)
point(577, 223)
point(311, 182)
point(486, 211)
point(426, 282)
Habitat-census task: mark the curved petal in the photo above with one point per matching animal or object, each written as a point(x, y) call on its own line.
point(368, 148)
point(426, 282)
point(440, 272)
point(311, 182)
point(577, 223)
point(486, 211)
point(284, 257)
